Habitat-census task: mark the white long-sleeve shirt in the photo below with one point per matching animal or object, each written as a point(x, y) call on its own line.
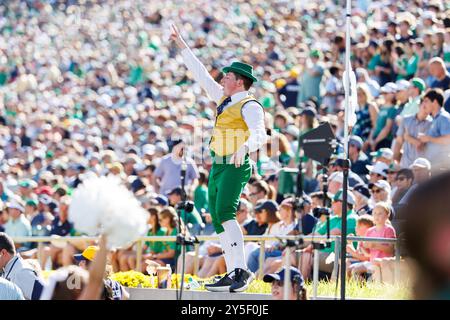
point(252, 112)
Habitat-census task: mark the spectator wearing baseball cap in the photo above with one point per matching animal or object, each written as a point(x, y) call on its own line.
point(306, 220)
point(257, 226)
point(402, 94)
point(358, 158)
point(335, 229)
point(385, 155)
point(288, 93)
point(86, 256)
point(18, 225)
point(404, 179)
point(112, 290)
point(362, 196)
point(337, 177)
point(40, 219)
point(276, 225)
point(26, 188)
point(297, 284)
point(378, 171)
point(421, 168)
point(191, 219)
point(381, 192)
point(415, 91)
point(381, 135)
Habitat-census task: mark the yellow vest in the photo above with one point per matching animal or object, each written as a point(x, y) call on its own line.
point(230, 131)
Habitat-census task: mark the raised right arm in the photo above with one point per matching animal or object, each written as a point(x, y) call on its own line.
point(199, 72)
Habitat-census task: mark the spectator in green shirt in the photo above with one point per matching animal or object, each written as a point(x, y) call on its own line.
point(201, 192)
point(381, 135)
point(415, 91)
point(191, 219)
point(169, 221)
point(407, 62)
point(306, 261)
point(151, 247)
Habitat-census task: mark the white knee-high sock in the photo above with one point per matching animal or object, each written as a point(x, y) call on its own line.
point(234, 233)
point(227, 252)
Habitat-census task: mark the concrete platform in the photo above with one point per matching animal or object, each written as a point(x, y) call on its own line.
point(170, 294)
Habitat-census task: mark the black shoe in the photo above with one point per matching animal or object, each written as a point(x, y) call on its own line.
point(242, 279)
point(223, 285)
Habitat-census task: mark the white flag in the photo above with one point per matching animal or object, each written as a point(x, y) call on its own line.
point(353, 97)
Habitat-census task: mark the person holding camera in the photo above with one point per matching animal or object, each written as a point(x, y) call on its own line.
point(191, 217)
point(325, 265)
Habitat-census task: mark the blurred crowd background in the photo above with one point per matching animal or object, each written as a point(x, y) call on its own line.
point(96, 88)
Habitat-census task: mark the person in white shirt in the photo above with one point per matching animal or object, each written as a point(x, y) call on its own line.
point(13, 268)
point(238, 131)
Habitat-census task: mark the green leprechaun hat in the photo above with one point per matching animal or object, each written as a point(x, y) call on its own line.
point(241, 68)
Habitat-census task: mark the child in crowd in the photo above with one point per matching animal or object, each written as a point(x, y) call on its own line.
point(376, 250)
point(364, 223)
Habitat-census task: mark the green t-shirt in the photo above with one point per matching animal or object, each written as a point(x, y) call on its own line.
point(411, 107)
point(136, 75)
point(409, 66)
point(383, 116)
point(155, 246)
point(192, 217)
point(336, 222)
point(374, 62)
point(3, 78)
point(169, 245)
point(201, 198)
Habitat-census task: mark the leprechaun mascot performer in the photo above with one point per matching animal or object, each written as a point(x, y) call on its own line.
point(238, 131)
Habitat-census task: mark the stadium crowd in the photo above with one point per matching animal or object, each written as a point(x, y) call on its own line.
point(96, 88)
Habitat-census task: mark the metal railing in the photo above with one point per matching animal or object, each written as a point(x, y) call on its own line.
point(261, 239)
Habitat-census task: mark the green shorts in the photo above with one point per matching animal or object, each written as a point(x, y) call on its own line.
point(225, 186)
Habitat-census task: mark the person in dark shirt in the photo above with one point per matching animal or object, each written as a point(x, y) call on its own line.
point(255, 227)
point(288, 94)
point(60, 227)
point(24, 139)
point(305, 219)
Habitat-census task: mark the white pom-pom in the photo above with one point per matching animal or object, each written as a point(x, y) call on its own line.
point(103, 205)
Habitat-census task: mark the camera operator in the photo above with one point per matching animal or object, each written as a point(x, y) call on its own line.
point(190, 217)
point(303, 213)
point(325, 266)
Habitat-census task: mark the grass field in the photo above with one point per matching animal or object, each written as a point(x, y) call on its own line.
point(354, 289)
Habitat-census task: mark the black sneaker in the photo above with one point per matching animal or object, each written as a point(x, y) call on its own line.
point(223, 285)
point(242, 279)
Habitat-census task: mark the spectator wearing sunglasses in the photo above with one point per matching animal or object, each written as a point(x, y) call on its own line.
point(381, 191)
point(404, 180)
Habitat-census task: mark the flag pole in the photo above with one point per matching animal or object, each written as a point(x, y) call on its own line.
point(346, 162)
